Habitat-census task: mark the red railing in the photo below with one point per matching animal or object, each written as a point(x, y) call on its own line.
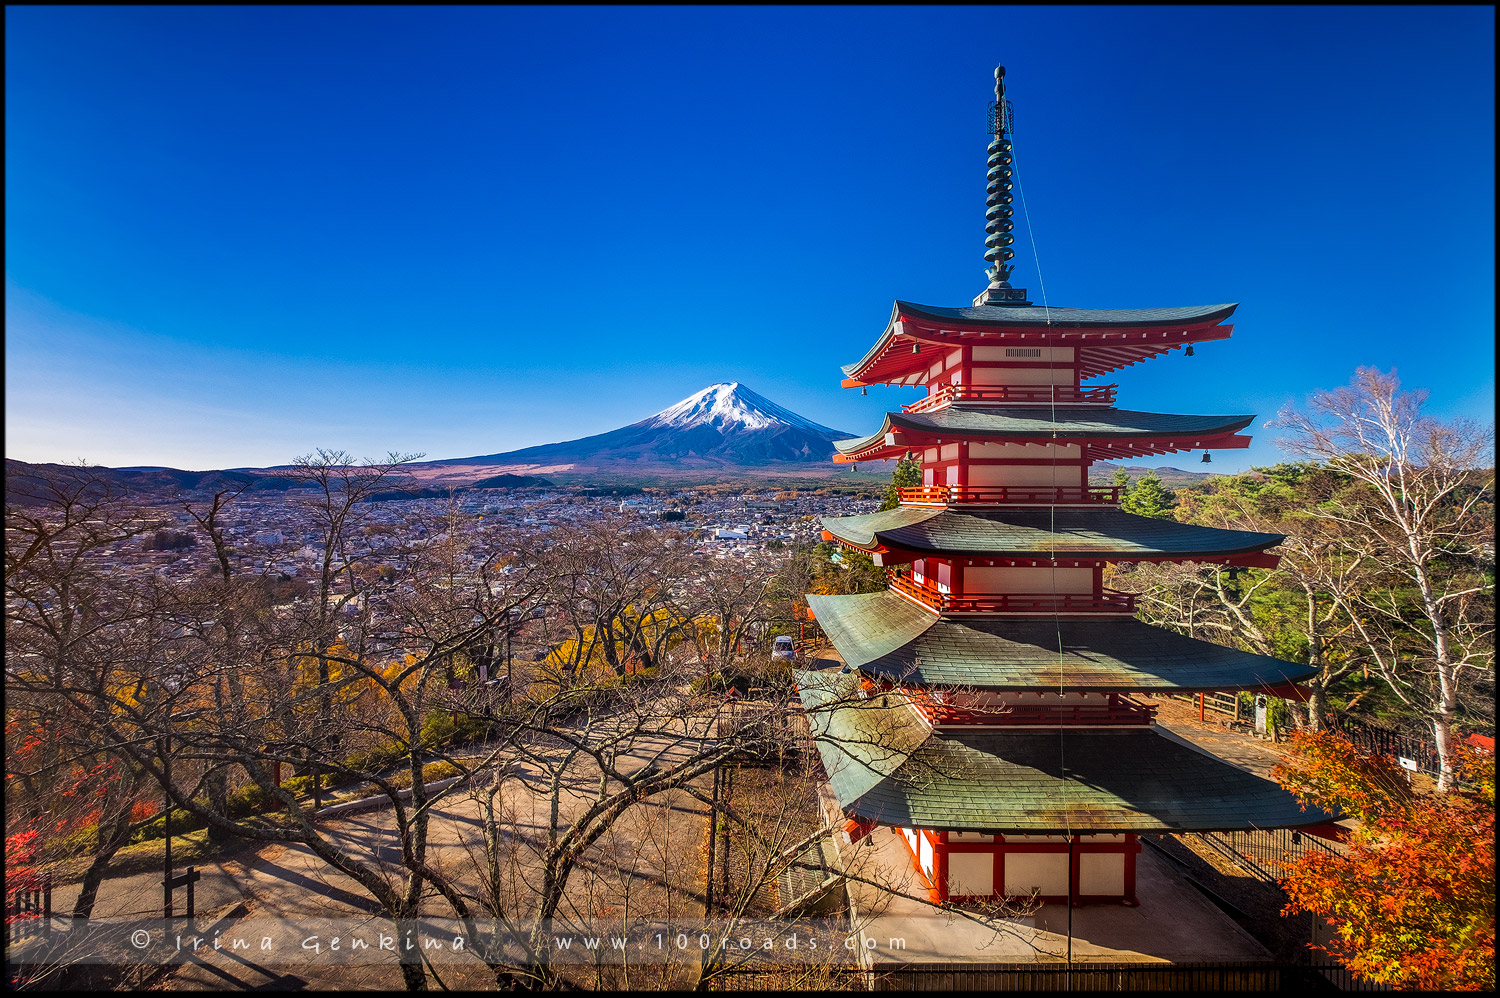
point(1109, 601)
point(945, 395)
point(1119, 712)
point(1003, 495)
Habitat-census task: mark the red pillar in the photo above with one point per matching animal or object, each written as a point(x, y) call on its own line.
point(940, 868)
point(1132, 846)
point(1074, 864)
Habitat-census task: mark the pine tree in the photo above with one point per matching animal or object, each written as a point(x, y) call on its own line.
point(908, 473)
point(1150, 498)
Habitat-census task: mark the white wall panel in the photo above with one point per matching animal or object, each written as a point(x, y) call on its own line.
point(971, 873)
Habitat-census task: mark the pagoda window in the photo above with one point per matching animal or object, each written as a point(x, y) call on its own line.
point(949, 452)
point(930, 455)
point(944, 576)
point(1056, 355)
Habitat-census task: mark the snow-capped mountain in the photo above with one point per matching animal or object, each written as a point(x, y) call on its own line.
point(723, 425)
point(731, 406)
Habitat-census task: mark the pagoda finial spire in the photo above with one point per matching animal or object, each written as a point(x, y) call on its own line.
point(999, 221)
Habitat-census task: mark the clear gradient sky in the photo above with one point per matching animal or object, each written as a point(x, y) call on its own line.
point(237, 234)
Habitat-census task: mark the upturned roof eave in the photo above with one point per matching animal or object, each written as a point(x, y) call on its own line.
point(1061, 318)
point(1233, 542)
point(923, 423)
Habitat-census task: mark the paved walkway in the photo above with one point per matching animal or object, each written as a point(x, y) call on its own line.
point(1244, 749)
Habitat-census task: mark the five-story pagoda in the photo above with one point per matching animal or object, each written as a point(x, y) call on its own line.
point(986, 707)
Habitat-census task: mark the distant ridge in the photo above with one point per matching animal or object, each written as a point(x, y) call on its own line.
point(24, 479)
point(1101, 473)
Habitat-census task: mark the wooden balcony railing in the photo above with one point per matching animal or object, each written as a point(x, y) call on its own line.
point(1119, 712)
point(1109, 601)
point(946, 395)
point(1009, 495)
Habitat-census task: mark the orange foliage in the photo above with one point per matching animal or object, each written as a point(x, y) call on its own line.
point(1413, 902)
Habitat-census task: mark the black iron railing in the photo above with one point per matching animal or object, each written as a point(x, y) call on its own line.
point(1242, 976)
point(1264, 853)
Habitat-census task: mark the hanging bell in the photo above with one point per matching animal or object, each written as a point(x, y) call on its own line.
point(864, 391)
point(1189, 351)
point(916, 348)
point(1206, 458)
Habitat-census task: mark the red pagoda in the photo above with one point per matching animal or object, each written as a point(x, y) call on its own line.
point(988, 709)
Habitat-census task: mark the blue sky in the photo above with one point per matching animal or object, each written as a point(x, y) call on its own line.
point(237, 234)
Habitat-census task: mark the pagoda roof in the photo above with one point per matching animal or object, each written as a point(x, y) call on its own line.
point(1060, 533)
point(888, 637)
point(1105, 431)
point(885, 765)
point(1107, 338)
point(1022, 316)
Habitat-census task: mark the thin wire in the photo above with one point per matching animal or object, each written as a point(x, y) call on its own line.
point(1056, 609)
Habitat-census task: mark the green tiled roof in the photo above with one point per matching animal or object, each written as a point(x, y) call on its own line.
point(889, 637)
point(1044, 424)
point(1063, 533)
point(886, 766)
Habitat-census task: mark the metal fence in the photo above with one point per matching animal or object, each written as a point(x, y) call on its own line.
point(1417, 746)
point(1243, 976)
point(1263, 852)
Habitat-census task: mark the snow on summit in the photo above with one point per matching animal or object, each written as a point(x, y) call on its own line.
point(730, 405)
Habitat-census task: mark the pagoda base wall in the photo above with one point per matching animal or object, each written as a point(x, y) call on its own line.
point(972, 866)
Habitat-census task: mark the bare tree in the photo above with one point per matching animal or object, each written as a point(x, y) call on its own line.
point(1271, 612)
point(1422, 511)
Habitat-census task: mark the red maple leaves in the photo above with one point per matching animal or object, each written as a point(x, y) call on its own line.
point(1412, 903)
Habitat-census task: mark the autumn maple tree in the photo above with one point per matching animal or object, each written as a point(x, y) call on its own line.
point(1412, 902)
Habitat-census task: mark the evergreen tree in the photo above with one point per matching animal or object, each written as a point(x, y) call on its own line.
point(907, 474)
point(1150, 498)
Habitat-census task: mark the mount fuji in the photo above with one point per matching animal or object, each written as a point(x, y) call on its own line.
point(723, 427)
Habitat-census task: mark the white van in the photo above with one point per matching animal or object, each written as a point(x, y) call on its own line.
point(783, 650)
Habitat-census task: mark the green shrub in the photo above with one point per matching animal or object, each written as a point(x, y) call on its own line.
point(431, 772)
point(248, 800)
point(439, 729)
point(377, 759)
point(182, 822)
